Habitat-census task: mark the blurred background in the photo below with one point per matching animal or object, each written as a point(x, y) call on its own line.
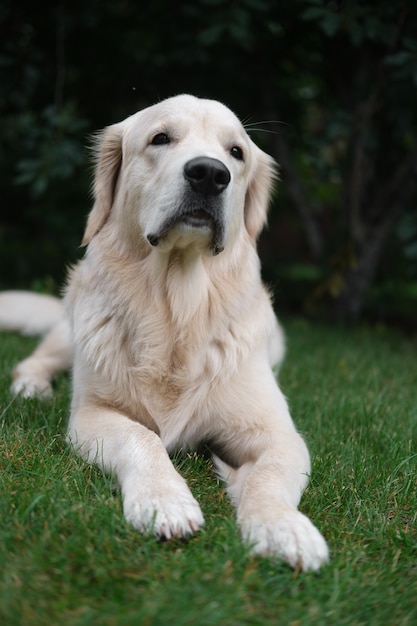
point(328, 88)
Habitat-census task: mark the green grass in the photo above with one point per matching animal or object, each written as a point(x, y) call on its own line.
point(68, 557)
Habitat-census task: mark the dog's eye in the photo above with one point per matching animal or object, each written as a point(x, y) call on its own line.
point(160, 139)
point(237, 153)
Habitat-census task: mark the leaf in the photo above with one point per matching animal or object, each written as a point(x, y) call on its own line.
point(212, 35)
point(330, 25)
point(400, 58)
point(313, 13)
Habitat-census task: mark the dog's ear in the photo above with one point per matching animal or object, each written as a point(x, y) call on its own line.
point(259, 193)
point(108, 151)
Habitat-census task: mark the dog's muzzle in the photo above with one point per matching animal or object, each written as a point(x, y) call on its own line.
point(202, 206)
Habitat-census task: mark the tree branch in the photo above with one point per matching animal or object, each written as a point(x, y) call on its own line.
point(406, 169)
point(294, 188)
point(364, 115)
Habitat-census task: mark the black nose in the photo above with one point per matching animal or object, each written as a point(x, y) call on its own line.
point(207, 176)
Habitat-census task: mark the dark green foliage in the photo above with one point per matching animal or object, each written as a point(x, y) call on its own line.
point(333, 84)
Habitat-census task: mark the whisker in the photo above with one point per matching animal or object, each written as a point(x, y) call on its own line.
point(281, 122)
point(245, 121)
point(254, 127)
point(261, 130)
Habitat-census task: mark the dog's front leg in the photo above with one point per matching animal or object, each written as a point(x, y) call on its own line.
point(155, 497)
point(266, 492)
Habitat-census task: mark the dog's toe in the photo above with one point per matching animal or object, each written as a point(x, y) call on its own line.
point(31, 387)
point(166, 514)
point(291, 537)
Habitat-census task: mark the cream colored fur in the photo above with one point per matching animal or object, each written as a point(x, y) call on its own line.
point(174, 345)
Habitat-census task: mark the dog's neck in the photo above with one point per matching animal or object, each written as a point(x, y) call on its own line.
point(194, 282)
point(190, 283)
point(181, 279)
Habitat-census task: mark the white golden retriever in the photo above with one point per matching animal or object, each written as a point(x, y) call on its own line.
point(171, 332)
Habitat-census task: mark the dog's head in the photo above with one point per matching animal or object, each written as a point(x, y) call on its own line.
point(179, 174)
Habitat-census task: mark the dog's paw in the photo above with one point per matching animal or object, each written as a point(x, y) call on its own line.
point(29, 386)
point(164, 509)
point(291, 537)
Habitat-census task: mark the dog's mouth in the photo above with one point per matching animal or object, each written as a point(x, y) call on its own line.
point(194, 218)
point(198, 218)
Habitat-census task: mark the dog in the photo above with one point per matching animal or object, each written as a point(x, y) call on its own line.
point(171, 333)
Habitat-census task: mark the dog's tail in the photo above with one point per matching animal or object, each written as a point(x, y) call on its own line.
point(29, 313)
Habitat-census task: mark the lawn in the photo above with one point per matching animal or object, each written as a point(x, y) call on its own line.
point(68, 557)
